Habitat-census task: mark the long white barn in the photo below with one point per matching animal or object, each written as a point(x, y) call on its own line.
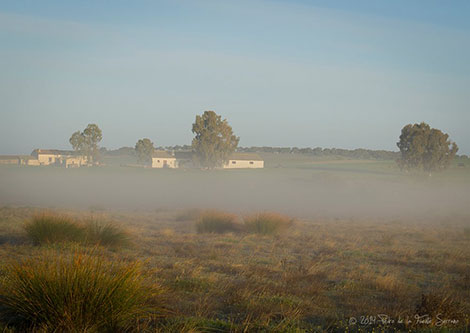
point(163, 159)
point(244, 161)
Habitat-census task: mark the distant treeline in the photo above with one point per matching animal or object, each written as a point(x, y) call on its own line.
point(360, 153)
point(325, 152)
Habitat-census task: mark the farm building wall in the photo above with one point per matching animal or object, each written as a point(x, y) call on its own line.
point(243, 164)
point(164, 162)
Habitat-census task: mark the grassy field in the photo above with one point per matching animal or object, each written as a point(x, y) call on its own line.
point(369, 248)
point(317, 275)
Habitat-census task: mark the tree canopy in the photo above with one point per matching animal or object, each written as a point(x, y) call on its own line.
point(144, 149)
point(86, 142)
point(214, 140)
point(425, 148)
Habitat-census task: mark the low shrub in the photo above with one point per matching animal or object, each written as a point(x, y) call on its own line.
point(47, 228)
point(213, 221)
point(76, 292)
point(267, 223)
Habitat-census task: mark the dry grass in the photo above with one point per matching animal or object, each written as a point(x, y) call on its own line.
point(76, 292)
point(191, 214)
point(466, 233)
point(49, 228)
point(267, 223)
point(312, 278)
point(105, 234)
point(213, 221)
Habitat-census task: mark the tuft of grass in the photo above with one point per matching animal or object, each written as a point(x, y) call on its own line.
point(47, 228)
point(75, 292)
point(435, 305)
point(213, 221)
point(190, 214)
point(466, 232)
point(105, 234)
point(197, 324)
point(267, 223)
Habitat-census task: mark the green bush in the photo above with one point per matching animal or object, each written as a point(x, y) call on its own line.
point(213, 221)
point(267, 223)
point(48, 228)
point(74, 293)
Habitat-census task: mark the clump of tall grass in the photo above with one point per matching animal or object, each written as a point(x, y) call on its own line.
point(48, 228)
point(435, 304)
point(213, 221)
point(105, 234)
point(76, 292)
point(190, 214)
point(466, 232)
point(266, 223)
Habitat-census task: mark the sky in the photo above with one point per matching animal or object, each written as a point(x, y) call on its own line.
point(344, 74)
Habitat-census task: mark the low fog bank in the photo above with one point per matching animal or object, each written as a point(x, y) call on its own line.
point(301, 193)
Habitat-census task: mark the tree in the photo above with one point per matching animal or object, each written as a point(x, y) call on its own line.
point(214, 140)
point(86, 142)
point(144, 149)
point(77, 140)
point(425, 148)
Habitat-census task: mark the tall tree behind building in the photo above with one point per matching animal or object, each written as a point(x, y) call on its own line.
point(86, 142)
point(144, 149)
point(214, 140)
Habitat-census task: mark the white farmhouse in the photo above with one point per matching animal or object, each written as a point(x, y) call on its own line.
point(66, 158)
point(161, 159)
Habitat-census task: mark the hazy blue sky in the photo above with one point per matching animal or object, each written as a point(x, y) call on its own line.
point(343, 74)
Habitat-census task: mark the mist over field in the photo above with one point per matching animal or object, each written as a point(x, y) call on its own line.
point(348, 191)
